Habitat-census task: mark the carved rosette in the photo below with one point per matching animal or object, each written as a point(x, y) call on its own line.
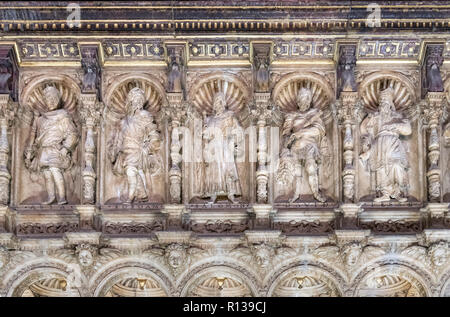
point(90, 113)
point(348, 112)
point(433, 115)
point(6, 120)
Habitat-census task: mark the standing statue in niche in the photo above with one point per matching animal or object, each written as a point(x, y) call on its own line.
point(305, 145)
point(135, 146)
point(384, 152)
point(222, 136)
point(53, 137)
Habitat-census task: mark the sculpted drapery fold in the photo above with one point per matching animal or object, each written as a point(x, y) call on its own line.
point(134, 148)
point(304, 145)
point(384, 153)
point(222, 135)
point(52, 140)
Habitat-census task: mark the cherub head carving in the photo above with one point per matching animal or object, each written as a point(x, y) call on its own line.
point(304, 99)
point(219, 105)
point(86, 254)
point(135, 100)
point(352, 252)
point(175, 255)
point(52, 97)
point(263, 254)
point(438, 253)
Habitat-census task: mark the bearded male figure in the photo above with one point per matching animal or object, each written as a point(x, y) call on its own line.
point(53, 137)
point(305, 144)
point(383, 150)
point(222, 137)
point(134, 147)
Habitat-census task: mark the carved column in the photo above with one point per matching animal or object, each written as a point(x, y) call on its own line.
point(348, 111)
point(433, 113)
point(175, 112)
point(261, 113)
point(90, 113)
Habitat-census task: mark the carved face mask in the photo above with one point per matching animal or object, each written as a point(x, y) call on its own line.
point(85, 258)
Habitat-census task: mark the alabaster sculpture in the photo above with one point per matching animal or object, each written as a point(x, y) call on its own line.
point(135, 148)
point(52, 140)
point(222, 135)
point(384, 153)
point(304, 146)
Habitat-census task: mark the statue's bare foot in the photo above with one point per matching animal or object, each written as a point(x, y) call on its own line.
point(320, 197)
point(232, 199)
point(212, 200)
point(128, 201)
point(292, 200)
point(382, 198)
point(402, 199)
point(49, 201)
point(62, 201)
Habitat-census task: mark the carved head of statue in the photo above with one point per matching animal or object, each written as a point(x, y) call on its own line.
point(351, 253)
point(175, 255)
point(135, 100)
point(304, 99)
point(219, 105)
point(85, 254)
point(52, 97)
point(387, 101)
point(439, 253)
point(263, 254)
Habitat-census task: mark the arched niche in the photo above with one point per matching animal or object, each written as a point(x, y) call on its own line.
point(391, 281)
point(28, 188)
point(284, 95)
point(219, 281)
point(114, 187)
point(201, 98)
point(116, 95)
point(305, 281)
point(131, 278)
point(48, 280)
point(132, 282)
point(405, 92)
point(405, 99)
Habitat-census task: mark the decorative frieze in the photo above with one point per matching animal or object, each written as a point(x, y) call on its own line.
point(49, 50)
point(304, 49)
point(124, 50)
point(389, 48)
point(220, 50)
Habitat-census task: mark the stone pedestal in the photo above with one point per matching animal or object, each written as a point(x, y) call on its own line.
point(86, 214)
point(263, 215)
point(174, 216)
point(349, 215)
point(436, 213)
